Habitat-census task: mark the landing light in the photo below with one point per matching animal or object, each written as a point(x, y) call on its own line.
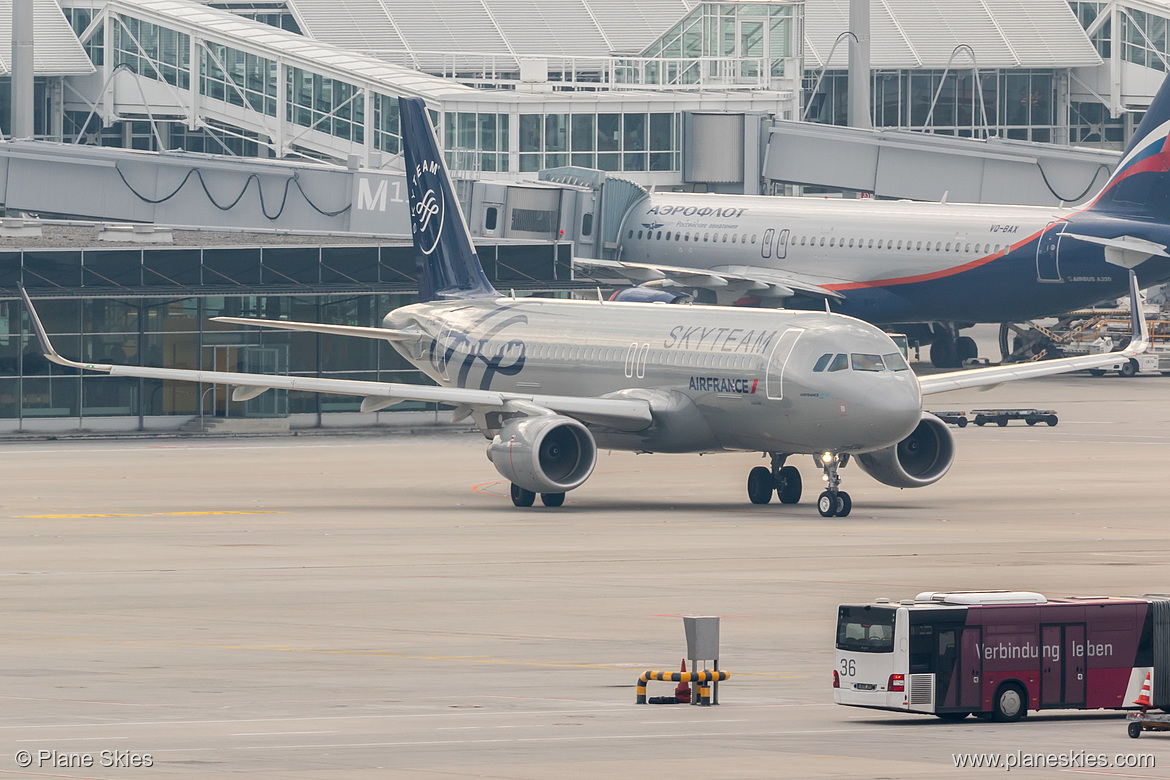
point(827, 457)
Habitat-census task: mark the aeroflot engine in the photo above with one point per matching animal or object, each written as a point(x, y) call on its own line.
point(544, 454)
point(921, 459)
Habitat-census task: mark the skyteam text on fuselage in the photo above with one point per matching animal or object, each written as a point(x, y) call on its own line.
point(550, 382)
point(896, 263)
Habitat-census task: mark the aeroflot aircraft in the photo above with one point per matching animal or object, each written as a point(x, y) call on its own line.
point(551, 381)
point(895, 263)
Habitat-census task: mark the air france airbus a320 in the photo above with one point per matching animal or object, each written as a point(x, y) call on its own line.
point(907, 265)
point(549, 382)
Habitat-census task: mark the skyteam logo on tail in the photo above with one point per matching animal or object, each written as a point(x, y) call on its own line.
point(429, 212)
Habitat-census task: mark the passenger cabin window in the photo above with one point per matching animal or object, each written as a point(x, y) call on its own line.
point(840, 363)
point(867, 362)
point(587, 225)
point(490, 218)
point(895, 362)
point(823, 361)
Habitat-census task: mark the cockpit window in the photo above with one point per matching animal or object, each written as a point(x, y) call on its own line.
point(840, 363)
point(823, 361)
point(867, 362)
point(895, 362)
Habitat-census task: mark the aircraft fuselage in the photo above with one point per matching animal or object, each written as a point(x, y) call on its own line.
point(717, 378)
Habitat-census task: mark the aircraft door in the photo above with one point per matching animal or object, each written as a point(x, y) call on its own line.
point(782, 245)
point(774, 378)
point(766, 244)
point(1048, 253)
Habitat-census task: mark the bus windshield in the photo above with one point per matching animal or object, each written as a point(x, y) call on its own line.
point(866, 629)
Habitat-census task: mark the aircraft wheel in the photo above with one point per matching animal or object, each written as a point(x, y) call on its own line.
point(1010, 703)
point(844, 504)
point(943, 353)
point(790, 485)
point(826, 504)
point(552, 499)
point(1134, 729)
point(760, 485)
point(966, 348)
point(1129, 368)
point(1097, 372)
point(522, 497)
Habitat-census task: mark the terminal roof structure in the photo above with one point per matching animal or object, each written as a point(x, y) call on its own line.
point(57, 51)
point(925, 33)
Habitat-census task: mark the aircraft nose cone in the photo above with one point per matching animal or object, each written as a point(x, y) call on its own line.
point(897, 410)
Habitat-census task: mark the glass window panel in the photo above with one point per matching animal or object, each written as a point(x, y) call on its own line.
point(9, 398)
point(467, 131)
point(609, 162)
point(609, 133)
point(661, 132)
point(115, 268)
point(52, 269)
point(171, 267)
point(556, 131)
point(487, 132)
point(231, 266)
point(397, 265)
point(51, 397)
point(583, 132)
point(634, 132)
point(10, 269)
point(350, 265)
point(530, 135)
point(281, 266)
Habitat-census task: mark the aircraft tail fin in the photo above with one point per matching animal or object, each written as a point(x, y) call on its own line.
point(1140, 185)
point(444, 256)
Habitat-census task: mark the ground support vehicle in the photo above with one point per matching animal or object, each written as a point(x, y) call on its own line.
point(1001, 417)
point(1137, 722)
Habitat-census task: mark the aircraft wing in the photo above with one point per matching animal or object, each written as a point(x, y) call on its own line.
point(384, 334)
point(629, 414)
point(994, 375)
point(762, 282)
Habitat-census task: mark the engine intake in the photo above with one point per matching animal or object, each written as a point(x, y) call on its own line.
point(545, 454)
point(921, 459)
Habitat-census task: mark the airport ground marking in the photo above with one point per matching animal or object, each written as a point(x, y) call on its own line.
point(201, 513)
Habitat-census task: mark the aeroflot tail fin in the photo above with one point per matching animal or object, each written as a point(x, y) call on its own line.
point(1140, 185)
point(444, 257)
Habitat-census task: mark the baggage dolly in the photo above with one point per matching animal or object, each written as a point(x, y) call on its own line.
point(1146, 721)
point(1001, 416)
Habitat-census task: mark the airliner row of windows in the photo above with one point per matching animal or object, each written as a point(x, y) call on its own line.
point(910, 246)
point(714, 238)
point(861, 362)
point(611, 355)
point(851, 243)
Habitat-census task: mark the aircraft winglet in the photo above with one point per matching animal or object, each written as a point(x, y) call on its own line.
point(1138, 327)
point(46, 345)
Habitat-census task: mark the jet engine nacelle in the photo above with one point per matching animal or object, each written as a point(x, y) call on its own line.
point(921, 459)
point(545, 454)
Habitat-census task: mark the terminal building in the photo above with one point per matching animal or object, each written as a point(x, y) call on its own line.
point(280, 116)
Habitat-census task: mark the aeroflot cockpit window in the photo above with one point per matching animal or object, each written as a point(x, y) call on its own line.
point(895, 362)
point(823, 361)
point(868, 362)
point(840, 363)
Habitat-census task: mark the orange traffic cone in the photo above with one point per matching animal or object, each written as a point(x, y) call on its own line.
point(683, 691)
point(1143, 699)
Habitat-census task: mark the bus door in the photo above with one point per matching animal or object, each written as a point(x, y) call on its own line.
point(1062, 671)
point(970, 691)
point(946, 656)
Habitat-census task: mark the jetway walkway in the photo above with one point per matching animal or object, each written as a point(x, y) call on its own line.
point(923, 166)
point(181, 189)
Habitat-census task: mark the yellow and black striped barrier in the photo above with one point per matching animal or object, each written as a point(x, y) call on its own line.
point(704, 679)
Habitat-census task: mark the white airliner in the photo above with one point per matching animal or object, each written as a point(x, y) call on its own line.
point(549, 382)
point(908, 265)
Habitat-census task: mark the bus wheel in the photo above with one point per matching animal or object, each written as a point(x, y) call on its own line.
point(1010, 703)
point(950, 716)
point(1134, 729)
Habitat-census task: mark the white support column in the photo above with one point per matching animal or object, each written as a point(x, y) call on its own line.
point(196, 70)
point(23, 102)
point(1115, 59)
point(281, 107)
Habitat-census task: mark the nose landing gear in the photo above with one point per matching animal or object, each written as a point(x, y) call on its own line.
point(834, 502)
point(781, 479)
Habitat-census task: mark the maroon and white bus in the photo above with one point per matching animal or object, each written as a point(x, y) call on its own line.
point(1001, 653)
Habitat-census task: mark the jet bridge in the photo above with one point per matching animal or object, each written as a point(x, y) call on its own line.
point(923, 166)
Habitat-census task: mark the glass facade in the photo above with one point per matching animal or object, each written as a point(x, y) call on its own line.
point(80, 19)
point(153, 51)
point(325, 104)
point(1143, 37)
point(1018, 104)
point(237, 78)
point(610, 142)
point(153, 306)
point(476, 141)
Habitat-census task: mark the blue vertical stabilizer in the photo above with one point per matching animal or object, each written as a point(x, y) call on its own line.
point(444, 257)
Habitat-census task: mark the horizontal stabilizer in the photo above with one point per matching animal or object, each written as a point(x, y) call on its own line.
point(1125, 251)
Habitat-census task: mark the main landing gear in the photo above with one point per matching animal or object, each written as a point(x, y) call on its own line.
point(950, 350)
point(834, 502)
point(783, 480)
point(524, 498)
